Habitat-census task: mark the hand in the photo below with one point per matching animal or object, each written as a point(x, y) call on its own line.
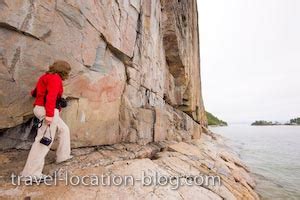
point(49, 120)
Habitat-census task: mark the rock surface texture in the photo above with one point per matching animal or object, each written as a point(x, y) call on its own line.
point(135, 77)
point(198, 157)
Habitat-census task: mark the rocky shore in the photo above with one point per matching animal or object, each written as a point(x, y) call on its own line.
point(207, 156)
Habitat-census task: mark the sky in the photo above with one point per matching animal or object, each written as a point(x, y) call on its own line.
point(250, 59)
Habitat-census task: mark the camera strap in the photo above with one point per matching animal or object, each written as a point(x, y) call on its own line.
point(48, 127)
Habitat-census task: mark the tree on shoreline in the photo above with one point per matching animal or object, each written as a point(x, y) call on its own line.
point(264, 123)
point(214, 121)
point(295, 121)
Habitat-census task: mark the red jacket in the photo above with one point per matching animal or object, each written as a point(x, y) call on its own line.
point(48, 88)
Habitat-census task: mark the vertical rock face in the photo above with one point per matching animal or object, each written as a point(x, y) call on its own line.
point(135, 68)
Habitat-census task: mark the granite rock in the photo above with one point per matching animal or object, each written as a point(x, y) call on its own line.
point(202, 157)
point(135, 68)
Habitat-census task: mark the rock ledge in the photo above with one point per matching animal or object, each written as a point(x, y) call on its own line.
point(206, 156)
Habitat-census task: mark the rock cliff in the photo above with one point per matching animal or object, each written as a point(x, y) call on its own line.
point(135, 77)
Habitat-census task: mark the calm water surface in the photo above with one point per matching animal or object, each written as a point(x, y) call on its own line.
point(273, 155)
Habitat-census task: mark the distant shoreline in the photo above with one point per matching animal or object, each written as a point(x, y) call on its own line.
point(252, 125)
point(292, 122)
point(214, 121)
point(276, 125)
point(218, 125)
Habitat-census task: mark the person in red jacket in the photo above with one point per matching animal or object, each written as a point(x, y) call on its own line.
point(48, 93)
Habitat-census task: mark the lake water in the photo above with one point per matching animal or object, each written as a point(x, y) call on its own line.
point(273, 155)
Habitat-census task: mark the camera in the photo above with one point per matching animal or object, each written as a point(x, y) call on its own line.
point(37, 123)
point(61, 103)
point(46, 141)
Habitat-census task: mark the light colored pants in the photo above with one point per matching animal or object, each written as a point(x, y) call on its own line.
point(36, 158)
